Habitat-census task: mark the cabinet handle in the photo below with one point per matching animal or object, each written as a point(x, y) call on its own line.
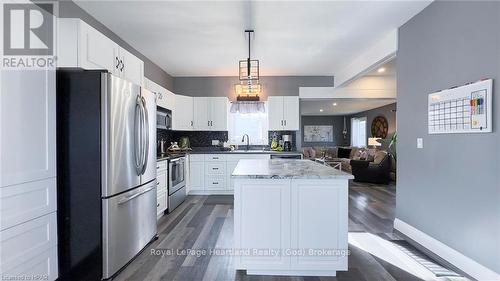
point(158, 183)
point(281, 122)
point(191, 123)
point(285, 122)
point(157, 204)
point(208, 123)
point(121, 69)
point(215, 168)
point(117, 63)
point(215, 183)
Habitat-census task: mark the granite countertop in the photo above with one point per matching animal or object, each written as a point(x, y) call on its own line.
point(206, 150)
point(286, 169)
point(240, 151)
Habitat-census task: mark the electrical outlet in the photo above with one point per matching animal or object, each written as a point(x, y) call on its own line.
point(420, 143)
point(215, 142)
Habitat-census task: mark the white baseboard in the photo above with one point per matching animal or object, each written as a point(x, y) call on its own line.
point(452, 256)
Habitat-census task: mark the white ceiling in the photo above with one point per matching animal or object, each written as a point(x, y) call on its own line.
point(343, 107)
point(206, 38)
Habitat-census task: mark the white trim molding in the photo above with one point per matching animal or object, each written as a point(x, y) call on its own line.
point(452, 256)
point(379, 53)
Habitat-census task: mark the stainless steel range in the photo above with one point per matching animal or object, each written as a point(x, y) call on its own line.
point(176, 181)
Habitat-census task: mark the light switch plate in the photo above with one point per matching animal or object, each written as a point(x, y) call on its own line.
point(420, 143)
point(215, 142)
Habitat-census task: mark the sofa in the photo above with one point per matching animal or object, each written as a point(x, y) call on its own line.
point(345, 154)
point(376, 171)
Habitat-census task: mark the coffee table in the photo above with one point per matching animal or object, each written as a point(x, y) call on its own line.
point(330, 162)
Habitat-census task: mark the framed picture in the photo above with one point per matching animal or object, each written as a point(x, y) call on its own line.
point(318, 133)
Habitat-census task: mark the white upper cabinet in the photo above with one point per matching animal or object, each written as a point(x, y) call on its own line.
point(275, 113)
point(201, 120)
point(283, 113)
point(218, 114)
point(183, 113)
point(97, 51)
point(291, 114)
point(131, 67)
point(164, 98)
point(210, 113)
point(80, 45)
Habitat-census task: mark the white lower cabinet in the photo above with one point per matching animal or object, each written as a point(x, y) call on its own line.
point(292, 214)
point(30, 248)
point(230, 165)
point(24, 202)
point(196, 175)
point(266, 208)
point(161, 187)
point(211, 173)
point(323, 227)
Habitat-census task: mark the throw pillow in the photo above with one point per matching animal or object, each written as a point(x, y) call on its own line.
point(363, 155)
point(379, 156)
point(343, 152)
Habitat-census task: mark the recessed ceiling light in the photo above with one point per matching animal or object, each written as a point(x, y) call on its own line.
point(321, 110)
point(380, 70)
point(334, 104)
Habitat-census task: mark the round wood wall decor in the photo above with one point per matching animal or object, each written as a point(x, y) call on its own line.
point(380, 126)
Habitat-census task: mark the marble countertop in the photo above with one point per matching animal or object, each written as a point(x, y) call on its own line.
point(286, 169)
point(218, 151)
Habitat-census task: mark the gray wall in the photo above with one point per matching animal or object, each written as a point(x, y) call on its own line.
point(450, 189)
point(388, 111)
point(68, 9)
point(224, 85)
point(338, 125)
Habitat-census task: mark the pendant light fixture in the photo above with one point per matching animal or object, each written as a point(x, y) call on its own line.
point(248, 90)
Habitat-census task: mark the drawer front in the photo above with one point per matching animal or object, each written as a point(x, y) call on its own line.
point(43, 266)
point(27, 241)
point(215, 157)
point(215, 168)
point(161, 165)
point(196, 157)
point(215, 182)
point(237, 157)
point(24, 202)
point(161, 204)
point(161, 180)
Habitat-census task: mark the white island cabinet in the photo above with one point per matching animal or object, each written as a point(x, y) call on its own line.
point(290, 218)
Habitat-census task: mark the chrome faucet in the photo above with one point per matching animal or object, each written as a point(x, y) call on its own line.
point(248, 141)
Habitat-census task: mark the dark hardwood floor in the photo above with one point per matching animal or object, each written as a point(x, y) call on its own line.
point(206, 222)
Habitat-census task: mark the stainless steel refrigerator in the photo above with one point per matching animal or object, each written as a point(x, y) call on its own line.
point(106, 173)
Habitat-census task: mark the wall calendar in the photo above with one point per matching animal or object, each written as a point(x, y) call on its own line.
point(464, 109)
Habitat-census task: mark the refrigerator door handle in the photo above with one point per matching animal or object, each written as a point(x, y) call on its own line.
point(137, 132)
point(146, 136)
point(125, 200)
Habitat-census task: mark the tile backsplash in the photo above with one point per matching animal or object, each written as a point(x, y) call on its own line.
point(196, 138)
point(204, 138)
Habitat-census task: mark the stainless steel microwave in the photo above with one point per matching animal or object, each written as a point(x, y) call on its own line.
point(163, 118)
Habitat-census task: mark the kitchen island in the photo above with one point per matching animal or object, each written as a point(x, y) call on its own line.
point(290, 218)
